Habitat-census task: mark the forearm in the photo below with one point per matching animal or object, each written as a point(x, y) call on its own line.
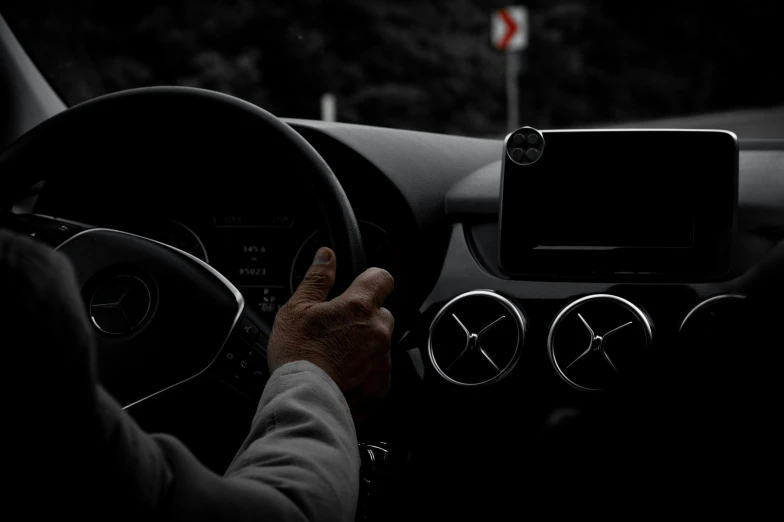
point(303, 443)
point(300, 460)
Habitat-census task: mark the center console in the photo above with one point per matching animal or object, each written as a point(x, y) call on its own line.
point(584, 332)
point(607, 245)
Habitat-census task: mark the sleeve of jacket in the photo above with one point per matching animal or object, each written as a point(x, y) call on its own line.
point(73, 449)
point(303, 444)
point(300, 460)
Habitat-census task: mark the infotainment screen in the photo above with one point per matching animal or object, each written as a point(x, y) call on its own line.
point(618, 201)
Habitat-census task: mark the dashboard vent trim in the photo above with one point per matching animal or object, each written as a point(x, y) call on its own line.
point(636, 318)
point(474, 339)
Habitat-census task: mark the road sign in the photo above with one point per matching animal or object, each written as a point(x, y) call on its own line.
point(509, 28)
point(509, 33)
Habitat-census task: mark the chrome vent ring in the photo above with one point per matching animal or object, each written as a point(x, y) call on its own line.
point(598, 340)
point(476, 338)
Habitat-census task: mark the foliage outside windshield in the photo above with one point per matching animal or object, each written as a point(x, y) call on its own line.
point(420, 65)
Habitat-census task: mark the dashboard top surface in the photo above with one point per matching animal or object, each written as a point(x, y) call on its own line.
point(428, 206)
point(462, 175)
point(415, 186)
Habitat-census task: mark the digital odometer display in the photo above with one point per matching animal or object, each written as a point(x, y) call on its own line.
point(267, 263)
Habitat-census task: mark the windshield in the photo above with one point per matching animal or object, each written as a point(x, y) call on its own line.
point(455, 66)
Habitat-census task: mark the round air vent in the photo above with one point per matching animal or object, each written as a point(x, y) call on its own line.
point(476, 338)
point(710, 335)
point(713, 315)
point(596, 340)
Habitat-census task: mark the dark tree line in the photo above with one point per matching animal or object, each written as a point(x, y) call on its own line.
point(419, 65)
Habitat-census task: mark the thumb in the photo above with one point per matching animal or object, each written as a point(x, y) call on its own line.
point(318, 281)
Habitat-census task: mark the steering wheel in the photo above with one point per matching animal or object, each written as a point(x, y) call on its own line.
point(162, 315)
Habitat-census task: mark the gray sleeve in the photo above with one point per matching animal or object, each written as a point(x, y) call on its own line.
point(300, 461)
point(303, 444)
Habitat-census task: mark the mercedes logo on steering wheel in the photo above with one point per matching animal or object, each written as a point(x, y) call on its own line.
point(120, 305)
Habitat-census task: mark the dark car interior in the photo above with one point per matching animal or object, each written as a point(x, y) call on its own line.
point(571, 322)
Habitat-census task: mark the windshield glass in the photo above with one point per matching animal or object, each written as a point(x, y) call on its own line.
point(453, 66)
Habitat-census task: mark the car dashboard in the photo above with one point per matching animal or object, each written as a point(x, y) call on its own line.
point(264, 256)
point(428, 207)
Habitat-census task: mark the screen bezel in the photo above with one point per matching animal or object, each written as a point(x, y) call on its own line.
point(714, 220)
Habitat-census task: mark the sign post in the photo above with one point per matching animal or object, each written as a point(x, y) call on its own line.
point(509, 34)
point(329, 107)
point(512, 91)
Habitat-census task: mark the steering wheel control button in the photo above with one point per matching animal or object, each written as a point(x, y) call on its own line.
point(231, 365)
point(120, 304)
point(241, 367)
point(596, 341)
point(525, 145)
point(476, 338)
point(55, 232)
point(248, 331)
point(257, 377)
point(250, 355)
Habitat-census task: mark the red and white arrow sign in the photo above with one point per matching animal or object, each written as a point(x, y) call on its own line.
point(509, 28)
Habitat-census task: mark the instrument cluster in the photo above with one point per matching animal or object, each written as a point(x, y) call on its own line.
point(266, 257)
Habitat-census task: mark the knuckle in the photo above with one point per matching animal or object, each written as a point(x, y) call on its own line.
point(360, 306)
point(382, 331)
point(387, 317)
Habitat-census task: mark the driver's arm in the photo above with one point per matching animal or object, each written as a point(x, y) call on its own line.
point(302, 444)
point(299, 462)
point(71, 448)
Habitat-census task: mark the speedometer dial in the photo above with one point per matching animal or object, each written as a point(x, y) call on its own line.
point(179, 236)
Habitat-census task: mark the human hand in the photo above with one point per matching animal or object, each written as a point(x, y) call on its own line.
point(348, 337)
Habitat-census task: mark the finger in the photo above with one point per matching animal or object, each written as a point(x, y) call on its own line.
point(318, 281)
point(374, 284)
point(388, 320)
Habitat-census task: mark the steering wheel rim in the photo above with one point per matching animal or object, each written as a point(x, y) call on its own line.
point(342, 230)
point(101, 255)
